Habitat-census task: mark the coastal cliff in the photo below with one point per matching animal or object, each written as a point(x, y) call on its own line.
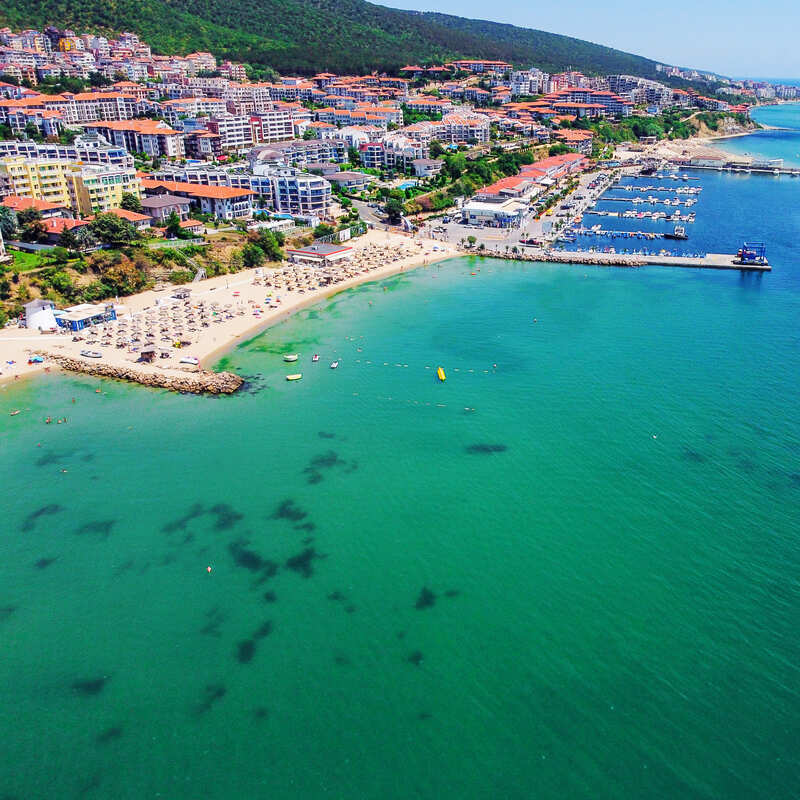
point(195, 382)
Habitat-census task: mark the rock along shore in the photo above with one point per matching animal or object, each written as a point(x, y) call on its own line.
point(194, 382)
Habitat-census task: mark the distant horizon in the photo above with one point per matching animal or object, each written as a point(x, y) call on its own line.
point(660, 33)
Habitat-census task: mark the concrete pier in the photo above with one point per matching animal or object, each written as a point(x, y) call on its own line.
point(709, 261)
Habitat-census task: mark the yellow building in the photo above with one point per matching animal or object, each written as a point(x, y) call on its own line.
point(85, 189)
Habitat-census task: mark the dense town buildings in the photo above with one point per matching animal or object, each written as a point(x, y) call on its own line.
point(227, 146)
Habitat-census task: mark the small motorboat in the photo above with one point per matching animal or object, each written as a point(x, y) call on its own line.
point(295, 377)
point(315, 358)
point(291, 357)
point(14, 413)
point(440, 374)
point(334, 364)
point(189, 360)
point(91, 354)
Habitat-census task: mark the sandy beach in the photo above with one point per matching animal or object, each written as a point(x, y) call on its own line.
point(219, 312)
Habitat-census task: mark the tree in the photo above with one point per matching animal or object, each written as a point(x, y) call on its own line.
point(394, 209)
point(32, 131)
point(8, 222)
point(353, 156)
point(111, 229)
point(322, 230)
point(130, 202)
point(269, 243)
point(173, 225)
point(435, 149)
point(69, 241)
point(309, 133)
point(31, 225)
point(252, 255)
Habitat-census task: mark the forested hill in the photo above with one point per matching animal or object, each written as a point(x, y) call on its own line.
point(305, 36)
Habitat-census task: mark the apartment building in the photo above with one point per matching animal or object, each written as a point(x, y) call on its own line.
point(285, 190)
point(480, 66)
point(429, 105)
point(234, 130)
point(85, 189)
point(155, 138)
point(528, 82)
point(222, 202)
point(88, 148)
point(463, 129)
point(175, 110)
point(300, 152)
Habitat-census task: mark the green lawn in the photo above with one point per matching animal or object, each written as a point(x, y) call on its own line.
point(23, 262)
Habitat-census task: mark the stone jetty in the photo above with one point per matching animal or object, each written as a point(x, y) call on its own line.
point(198, 382)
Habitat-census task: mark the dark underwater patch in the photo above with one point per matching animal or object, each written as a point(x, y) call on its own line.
point(327, 460)
point(109, 735)
point(263, 630)
point(302, 562)
point(44, 563)
point(351, 609)
point(415, 658)
point(211, 694)
point(336, 596)
point(693, 456)
point(179, 524)
point(6, 612)
point(270, 597)
point(245, 651)
point(52, 457)
point(452, 593)
point(100, 527)
point(260, 713)
point(248, 559)
point(483, 448)
point(794, 479)
point(342, 660)
point(288, 509)
point(426, 599)
point(226, 516)
point(326, 435)
point(89, 687)
point(214, 619)
point(124, 567)
point(30, 521)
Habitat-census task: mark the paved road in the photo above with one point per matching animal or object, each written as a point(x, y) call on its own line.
point(368, 214)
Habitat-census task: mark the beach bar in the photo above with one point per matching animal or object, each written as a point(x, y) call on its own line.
point(76, 318)
point(320, 254)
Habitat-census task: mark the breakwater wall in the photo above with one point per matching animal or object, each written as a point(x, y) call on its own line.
point(194, 382)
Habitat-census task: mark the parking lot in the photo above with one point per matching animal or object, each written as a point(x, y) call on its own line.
point(500, 239)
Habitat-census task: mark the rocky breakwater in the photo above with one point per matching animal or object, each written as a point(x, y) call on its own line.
point(197, 382)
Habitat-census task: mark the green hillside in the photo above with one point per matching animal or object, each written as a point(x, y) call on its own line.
point(305, 36)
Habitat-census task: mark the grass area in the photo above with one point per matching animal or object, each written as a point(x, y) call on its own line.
point(23, 261)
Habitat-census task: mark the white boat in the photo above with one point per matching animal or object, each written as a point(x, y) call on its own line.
point(189, 360)
point(334, 364)
point(294, 377)
point(91, 354)
point(315, 358)
point(291, 357)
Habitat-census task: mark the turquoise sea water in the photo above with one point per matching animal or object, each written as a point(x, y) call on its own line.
point(571, 570)
point(783, 144)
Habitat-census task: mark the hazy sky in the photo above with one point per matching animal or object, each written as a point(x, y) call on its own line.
point(759, 39)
